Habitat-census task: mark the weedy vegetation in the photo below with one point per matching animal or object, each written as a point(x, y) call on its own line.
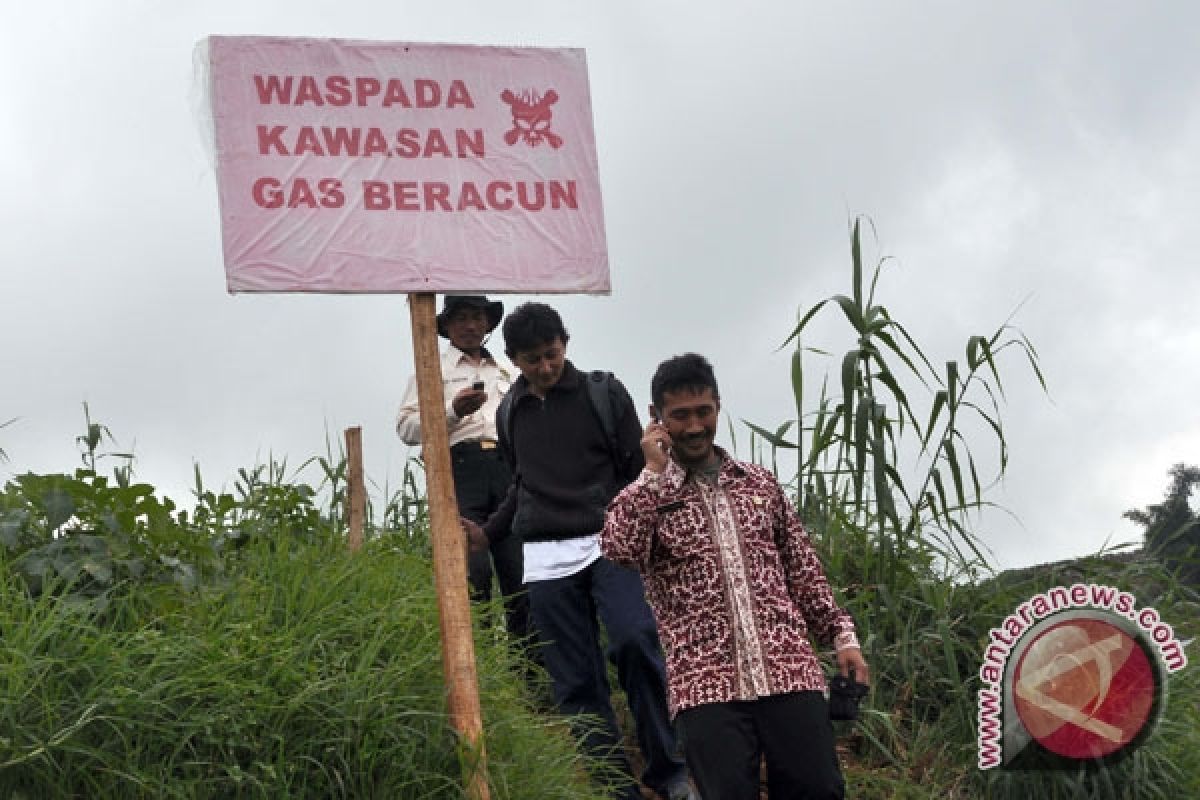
point(236, 649)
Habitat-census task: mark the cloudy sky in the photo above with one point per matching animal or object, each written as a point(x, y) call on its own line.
point(1031, 155)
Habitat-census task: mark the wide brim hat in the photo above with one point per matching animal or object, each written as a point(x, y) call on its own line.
point(493, 308)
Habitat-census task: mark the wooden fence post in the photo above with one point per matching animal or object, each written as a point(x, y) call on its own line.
point(356, 490)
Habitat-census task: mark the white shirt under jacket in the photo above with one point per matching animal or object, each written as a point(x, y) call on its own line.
point(457, 374)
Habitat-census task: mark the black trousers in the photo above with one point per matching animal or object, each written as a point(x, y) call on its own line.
point(481, 479)
point(567, 613)
point(725, 742)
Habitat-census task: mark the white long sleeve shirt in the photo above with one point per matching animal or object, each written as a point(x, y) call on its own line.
point(457, 374)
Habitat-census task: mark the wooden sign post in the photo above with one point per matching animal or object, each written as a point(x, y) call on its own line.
point(449, 554)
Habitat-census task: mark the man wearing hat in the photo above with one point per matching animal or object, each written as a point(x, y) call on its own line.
point(473, 386)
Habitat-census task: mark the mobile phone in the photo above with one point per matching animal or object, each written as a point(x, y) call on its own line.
point(657, 419)
point(477, 386)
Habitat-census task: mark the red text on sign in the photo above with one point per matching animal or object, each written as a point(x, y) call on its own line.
point(298, 193)
point(278, 140)
point(342, 90)
point(494, 196)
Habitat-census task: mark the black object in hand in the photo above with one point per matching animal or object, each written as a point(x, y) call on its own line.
point(844, 696)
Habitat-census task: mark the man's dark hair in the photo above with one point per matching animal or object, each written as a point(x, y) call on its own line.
point(530, 325)
point(688, 371)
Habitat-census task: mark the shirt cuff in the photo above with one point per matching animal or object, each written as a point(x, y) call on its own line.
point(845, 641)
point(650, 480)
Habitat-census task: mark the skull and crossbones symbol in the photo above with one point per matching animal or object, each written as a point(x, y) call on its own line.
point(531, 118)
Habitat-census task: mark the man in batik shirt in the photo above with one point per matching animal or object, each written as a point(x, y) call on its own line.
point(736, 589)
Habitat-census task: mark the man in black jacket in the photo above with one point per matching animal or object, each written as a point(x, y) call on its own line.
point(567, 470)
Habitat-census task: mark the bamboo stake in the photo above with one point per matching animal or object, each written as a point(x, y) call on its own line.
point(356, 490)
point(449, 554)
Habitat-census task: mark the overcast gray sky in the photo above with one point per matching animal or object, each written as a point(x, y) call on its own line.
point(1012, 152)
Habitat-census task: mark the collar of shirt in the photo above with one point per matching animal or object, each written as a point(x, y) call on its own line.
point(454, 357)
point(675, 476)
point(569, 381)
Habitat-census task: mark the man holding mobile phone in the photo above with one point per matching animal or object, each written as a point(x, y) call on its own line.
point(474, 386)
point(737, 590)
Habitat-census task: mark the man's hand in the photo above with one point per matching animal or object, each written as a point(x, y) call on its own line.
point(656, 443)
point(468, 401)
point(851, 658)
point(476, 539)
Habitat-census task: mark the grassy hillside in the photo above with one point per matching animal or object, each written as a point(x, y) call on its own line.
point(236, 651)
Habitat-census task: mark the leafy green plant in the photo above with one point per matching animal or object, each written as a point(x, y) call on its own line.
point(89, 443)
point(85, 537)
point(851, 461)
point(406, 510)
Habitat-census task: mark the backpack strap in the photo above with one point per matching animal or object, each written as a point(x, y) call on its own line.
point(599, 391)
point(504, 426)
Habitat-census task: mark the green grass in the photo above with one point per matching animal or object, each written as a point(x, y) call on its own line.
point(310, 672)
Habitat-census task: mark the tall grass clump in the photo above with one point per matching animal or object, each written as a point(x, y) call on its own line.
point(285, 666)
point(894, 459)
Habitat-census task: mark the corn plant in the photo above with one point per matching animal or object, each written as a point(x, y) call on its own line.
point(852, 448)
point(406, 510)
point(89, 443)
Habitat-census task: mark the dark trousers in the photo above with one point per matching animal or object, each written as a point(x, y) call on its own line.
point(725, 742)
point(567, 613)
point(481, 479)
